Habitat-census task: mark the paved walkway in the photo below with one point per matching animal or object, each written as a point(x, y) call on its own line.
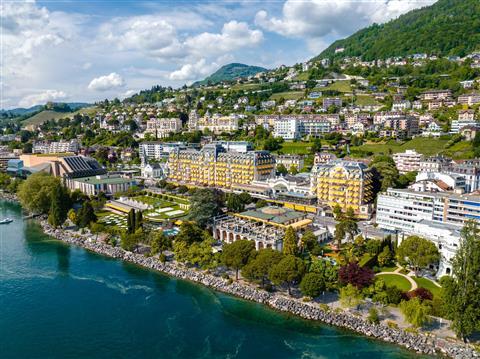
point(407, 277)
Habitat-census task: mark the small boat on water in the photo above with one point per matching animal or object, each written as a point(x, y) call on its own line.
point(6, 221)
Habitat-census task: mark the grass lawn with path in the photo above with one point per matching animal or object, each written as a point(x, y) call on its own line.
point(428, 284)
point(396, 280)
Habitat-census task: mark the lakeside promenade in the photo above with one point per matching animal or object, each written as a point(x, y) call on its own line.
point(420, 343)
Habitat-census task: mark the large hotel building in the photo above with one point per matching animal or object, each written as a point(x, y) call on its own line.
point(213, 166)
point(348, 184)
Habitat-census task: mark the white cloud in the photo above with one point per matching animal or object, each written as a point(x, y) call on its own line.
point(319, 18)
point(234, 35)
point(107, 82)
point(192, 71)
point(42, 98)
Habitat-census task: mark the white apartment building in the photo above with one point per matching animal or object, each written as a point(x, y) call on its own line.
point(408, 161)
point(314, 128)
point(401, 105)
point(469, 99)
point(153, 150)
point(56, 147)
point(287, 128)
point(162, 127)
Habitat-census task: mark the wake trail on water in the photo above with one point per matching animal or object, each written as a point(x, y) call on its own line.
point(115, 285)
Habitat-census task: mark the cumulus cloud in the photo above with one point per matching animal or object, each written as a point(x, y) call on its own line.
point(192, 71)
point(319, 18)
point(234, 35)
point(107, 82)
point(42, 98)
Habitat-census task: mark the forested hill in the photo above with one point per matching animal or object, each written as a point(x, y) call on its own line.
point(448, 27)
point(231, 72)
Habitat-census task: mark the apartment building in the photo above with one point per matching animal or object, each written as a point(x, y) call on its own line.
point(155, 150)
point(407, 161)
point(436, 95)
point(348, 184)
point(162, 127)
point(56, 147)
point(331, 101)
point(217, 123)
point(469, 99)
point(290, 160)
point(287, 128)
point(213, 166)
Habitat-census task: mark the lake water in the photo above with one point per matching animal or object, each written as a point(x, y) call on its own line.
point(58, 301)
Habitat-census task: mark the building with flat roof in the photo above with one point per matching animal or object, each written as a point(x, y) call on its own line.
point(265, 226)
point(93, 185)
point(407, 161)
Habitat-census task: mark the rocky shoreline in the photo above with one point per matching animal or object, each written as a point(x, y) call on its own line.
point(419, 343)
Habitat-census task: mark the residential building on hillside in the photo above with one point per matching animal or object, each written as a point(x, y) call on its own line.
point(438, 182)
point(162, 127)
point(331, 101)
point(347, 184)
point(407, 161)
point(213, 166)
point(237, 146)
point(56, 147)
point(290, 160)
point(287, 128)
point(154, 150)
point(436, 95)
point(469, 99)
point(218, 123)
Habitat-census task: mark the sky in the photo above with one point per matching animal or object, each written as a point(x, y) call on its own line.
point(89, 50)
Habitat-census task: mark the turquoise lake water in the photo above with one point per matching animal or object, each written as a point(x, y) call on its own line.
point(60, 301)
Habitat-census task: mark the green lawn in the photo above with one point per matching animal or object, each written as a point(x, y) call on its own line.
point(366, 100)
point(388, 269)
point(460, 150)
point(428, 284)
point(396, 280)
point(288, 95)
point(427, 146)
point(246, 87)
point(340, 86)
point(296, 148)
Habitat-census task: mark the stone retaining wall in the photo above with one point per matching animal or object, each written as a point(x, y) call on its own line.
point(419, 343)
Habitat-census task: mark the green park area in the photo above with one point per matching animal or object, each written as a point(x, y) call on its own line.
point(428, 284)
point(396, 280)
point(295, 148)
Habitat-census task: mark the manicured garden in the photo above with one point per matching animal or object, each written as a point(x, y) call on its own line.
point(428, 284)
point(396, 280)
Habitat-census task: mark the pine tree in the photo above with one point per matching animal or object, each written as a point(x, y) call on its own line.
point(290, 242)
point(138, 220)
point(86, 214)
point(131, 221)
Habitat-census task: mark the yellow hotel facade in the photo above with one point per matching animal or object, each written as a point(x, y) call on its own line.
point(214, 167)
point(344, 183)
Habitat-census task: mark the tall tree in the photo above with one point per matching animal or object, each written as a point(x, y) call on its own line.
point(288, 271)
point(462, 291)
point(236, 255)
point(417, 252)
point(35, 192)
point(190, 233)
point(258, 268)
point(205, 204)
point(85, 215)
point(159, 242)
point(290, 241)
point(415, 312)
point(59, 206)
point(312, 284)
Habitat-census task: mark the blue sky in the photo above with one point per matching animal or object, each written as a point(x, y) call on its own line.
point(91, 50)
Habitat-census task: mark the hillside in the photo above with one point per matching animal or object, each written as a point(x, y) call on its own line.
point(46, 115)
point(230, 72)
point(448, 27)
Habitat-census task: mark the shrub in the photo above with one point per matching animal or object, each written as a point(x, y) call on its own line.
point(421, 293)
